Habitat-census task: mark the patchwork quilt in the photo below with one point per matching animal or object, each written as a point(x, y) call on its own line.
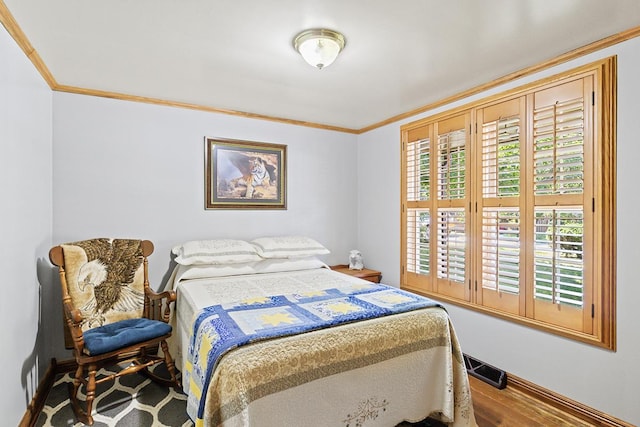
point(220, 328)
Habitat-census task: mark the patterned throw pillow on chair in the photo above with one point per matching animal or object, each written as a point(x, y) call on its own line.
point(105, 279)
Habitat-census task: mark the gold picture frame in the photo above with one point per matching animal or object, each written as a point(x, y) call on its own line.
point(245, 174)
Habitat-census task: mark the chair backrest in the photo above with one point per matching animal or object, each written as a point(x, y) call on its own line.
point(103, 278)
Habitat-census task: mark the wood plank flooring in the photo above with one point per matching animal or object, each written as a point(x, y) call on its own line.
point(511, 407)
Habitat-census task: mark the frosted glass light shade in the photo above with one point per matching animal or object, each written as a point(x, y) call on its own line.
point(319, 47)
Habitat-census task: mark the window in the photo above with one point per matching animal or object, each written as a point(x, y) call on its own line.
point(508, 205)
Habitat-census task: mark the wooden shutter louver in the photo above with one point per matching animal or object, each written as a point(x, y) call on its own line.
point(558, 256)
point(501, 249)
point(418, 241)
point(451, 165)
point(418, 170)
point(451, 244)
point(501, 158)
point(559, 148)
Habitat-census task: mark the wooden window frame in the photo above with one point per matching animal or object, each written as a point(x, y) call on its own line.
point(600, 261)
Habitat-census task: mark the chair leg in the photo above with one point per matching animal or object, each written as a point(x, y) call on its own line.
point(91, 391)
point(171, 367)
point(82, 415)
point(77, 381)
point(168, 361)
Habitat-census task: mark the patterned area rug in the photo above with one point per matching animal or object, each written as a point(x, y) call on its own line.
point(131, 401)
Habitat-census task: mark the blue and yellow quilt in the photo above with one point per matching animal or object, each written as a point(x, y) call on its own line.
point(220, 328)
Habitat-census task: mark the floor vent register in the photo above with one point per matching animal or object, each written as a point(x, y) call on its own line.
point(485, 372)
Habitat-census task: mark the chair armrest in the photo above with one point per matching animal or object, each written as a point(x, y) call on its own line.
point(74, 320)
point(158, 305)
point(72, 313)
point(169, 295)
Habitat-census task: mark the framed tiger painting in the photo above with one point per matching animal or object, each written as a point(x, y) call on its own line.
point(245, 174)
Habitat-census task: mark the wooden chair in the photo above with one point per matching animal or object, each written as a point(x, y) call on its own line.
point(112, 314)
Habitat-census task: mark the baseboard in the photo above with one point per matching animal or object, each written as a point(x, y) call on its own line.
point(565, 404)
point(40, 397)
point(64, 366)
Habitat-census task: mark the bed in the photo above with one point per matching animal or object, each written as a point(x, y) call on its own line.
point(400, 365)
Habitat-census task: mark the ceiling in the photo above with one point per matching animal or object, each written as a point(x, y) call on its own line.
point(237, 55)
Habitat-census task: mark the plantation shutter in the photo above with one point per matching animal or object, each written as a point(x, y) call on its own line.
point(416, 221)
point(451, 206)
point(561, 196)
point(499, 233)
point(508, 204)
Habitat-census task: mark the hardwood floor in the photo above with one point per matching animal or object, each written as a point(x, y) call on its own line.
point(511, 407)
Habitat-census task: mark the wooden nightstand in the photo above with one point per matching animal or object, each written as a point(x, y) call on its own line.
point(366, 274)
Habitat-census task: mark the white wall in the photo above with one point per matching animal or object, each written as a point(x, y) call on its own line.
point(125, 169)
point(599, 378)
point(25, 226)
point(379, 201)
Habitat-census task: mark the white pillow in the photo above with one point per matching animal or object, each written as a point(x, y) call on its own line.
point(282, 264)
point(220, 251)
point(203, 271)
point(186, 272)
point(288, 247)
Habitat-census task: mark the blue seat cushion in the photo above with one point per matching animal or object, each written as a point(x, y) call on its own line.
point(123, 333)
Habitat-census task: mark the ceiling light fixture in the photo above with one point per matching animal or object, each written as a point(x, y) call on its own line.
point(319, 46)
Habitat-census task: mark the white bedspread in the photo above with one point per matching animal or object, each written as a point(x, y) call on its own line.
point(372, 373)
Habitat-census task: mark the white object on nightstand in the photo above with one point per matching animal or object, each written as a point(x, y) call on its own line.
point(355, 260)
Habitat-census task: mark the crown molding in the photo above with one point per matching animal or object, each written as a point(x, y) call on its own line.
point(8, 21)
